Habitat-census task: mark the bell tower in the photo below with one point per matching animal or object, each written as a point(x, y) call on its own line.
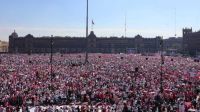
point(186, 33)
point(91, 40)
point(12, 37)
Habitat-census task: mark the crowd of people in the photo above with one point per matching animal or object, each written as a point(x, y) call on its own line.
point(108, 83)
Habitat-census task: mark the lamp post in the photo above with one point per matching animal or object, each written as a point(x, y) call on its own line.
point(137, 86)
point(51, 56)
point(161, 66)
point(86, 54)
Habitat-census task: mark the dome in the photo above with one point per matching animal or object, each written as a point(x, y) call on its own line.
point(29, 36)
point(14, 34)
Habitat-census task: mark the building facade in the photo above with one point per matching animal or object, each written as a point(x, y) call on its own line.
point(188, 44)
point(3, 46)
point(31, 44)
point(191, 42)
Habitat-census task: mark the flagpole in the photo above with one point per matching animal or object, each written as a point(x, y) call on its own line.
point(86, 54)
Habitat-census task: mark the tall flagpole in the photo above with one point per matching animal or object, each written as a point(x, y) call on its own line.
point(86, 54)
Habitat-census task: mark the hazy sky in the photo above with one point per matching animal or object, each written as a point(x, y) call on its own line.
point(67, 17)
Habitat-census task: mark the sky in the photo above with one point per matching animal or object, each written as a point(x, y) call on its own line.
point(148, 18)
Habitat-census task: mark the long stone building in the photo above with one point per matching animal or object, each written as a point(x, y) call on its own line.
point(31, 44)
point(188, 44)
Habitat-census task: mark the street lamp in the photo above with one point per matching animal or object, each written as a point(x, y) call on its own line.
point(161, 66)
point(51, 57)
point(137, 86)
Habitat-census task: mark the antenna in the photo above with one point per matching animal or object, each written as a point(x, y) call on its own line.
point(175, 24)
point(125, 27)
point(197, 20)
